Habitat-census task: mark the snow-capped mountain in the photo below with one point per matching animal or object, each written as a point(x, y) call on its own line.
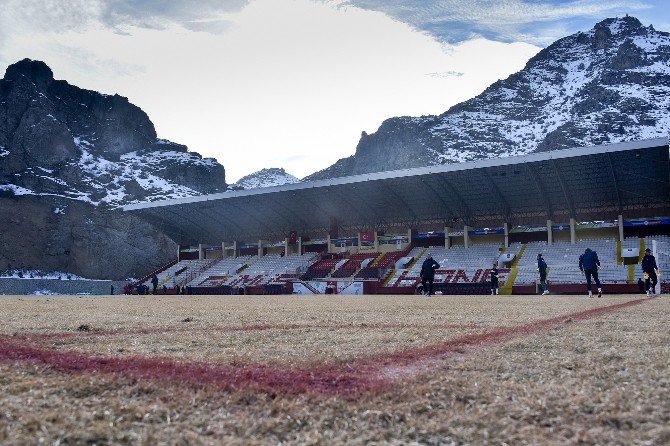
point(609, 84)
point(265, 178)
point(68, 158)
point(60, 140)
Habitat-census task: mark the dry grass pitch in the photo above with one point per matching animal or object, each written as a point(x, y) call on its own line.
point(324, 370)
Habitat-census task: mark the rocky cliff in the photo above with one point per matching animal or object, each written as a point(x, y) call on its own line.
point(68, 158)
point(608, 84)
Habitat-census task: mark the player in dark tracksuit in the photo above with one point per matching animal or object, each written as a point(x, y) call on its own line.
point(589, 264)
point(428, 274)
point(154, 282)
point(649, 269)
point(494, 280)
point(542, 269)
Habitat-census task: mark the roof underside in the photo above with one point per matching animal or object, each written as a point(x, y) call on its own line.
point(587, 183)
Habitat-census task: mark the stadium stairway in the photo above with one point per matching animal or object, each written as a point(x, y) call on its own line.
point(380, 263)
point(514, 270)
point(416, 259)
point(409, 266)
point(376, 260)
point(388, 259)
point(164, 281)
point(388, 278)
point(157, 271)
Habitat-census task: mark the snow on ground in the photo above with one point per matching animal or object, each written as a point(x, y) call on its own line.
point(38, 274)
point(45, 292)
point(150, 159)
point(17, 190)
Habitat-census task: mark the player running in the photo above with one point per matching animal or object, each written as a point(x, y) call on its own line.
point(494, 280)
point(428, 274)
point(542, 269)
point(589, 264)
point(650, 272)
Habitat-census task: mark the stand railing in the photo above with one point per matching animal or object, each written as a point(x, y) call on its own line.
point(156, 272)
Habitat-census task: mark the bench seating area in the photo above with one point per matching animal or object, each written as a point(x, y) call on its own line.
point(562, 257)
point(253, 270)
point(457, 265)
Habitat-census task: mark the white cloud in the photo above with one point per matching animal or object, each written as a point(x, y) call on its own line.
point(511, 20)
point(287, 80)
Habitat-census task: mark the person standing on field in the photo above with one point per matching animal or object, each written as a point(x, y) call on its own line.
point(494, 280)
point(589, 264)
point(154, 282)
point(542, 269)
point(650, 272)
point(428, 274)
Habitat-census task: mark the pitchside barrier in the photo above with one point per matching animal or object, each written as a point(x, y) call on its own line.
point(462, 288)
point(13, 286)
point(267, 290)
point(578, 288)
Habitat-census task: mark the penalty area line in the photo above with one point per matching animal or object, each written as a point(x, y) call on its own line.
point(41, 337)
point(347, 379)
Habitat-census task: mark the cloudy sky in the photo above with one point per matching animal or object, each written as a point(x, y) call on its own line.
point(291, 83)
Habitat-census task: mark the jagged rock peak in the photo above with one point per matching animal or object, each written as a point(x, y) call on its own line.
point(35, 70)
point(620, 25)
point(269, 177)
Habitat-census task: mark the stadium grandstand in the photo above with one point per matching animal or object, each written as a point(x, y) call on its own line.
point(370, 233)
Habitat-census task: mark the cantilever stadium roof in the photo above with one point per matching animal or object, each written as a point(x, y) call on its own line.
point(599, 182)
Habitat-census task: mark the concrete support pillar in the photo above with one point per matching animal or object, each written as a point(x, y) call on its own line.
point(409, 235)
point(334, 228)
point(327, 242)
point(550, 234)
point(260, 248)
point(573, 231)
point(506, 230)
point(376, 247)
point(300, 245)
point(201, 251)
point(466, 236)
point(621, 228)
point(224, 253)
point(447, 239)
point(178, 253)
point(235, 254)
point(286, 246)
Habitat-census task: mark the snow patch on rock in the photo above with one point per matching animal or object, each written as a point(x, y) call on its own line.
point(266, 178)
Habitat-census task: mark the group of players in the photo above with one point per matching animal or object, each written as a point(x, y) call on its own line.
point(588, 264)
